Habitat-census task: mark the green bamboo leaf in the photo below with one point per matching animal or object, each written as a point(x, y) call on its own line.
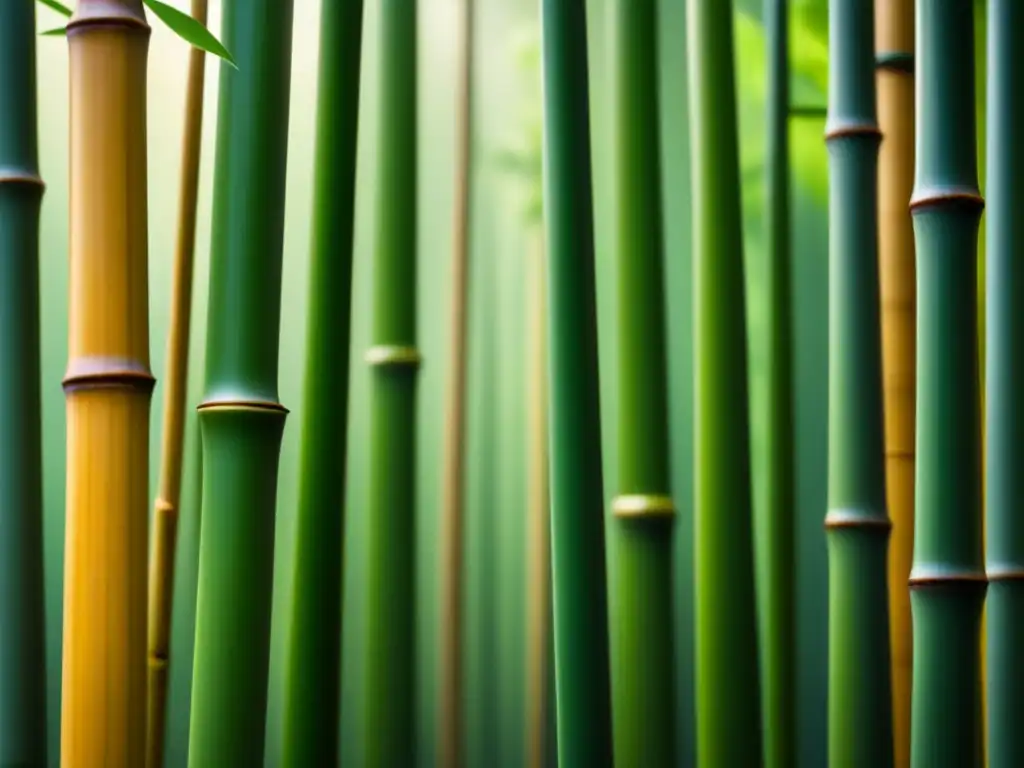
point(58, 7)
point(58, 32)
point(188, 29)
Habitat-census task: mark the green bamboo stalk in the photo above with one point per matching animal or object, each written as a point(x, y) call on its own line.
point(394, 358)
point(22, 662)
point(643, 712)
point(314, 644)
point(1005, 364)
point(240, 417)
point(857, 524)
point(729, 727)
point(775, 532)
point(578, 576)
point(947, 581)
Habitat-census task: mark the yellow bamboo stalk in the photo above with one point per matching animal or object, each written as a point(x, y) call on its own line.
point(894, 43)
point(538, 551)
point(451, 505)
point(108, 386)
point(166, 508)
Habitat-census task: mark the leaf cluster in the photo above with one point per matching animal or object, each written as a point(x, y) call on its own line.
point(184, 26)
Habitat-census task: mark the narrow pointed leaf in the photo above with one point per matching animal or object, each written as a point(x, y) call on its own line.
point(58, 7)
point(58, 32)
point(188, 29)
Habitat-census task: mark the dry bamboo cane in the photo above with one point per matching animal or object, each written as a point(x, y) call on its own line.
point(166, 508)
point(451, 741)
point(894, 46)
point(538, 553)
point(108, 386)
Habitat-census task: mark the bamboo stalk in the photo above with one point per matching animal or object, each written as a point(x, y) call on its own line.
point(108, 386)
point(240, 417)
point(22, 649)
point(166, 508)
point(729, 727)
point(312, 689)
point(947, 581)
point(1005, 438)
point(538, 545)
point(642, 647)
point(452, 537)
point(776, 524)
point(857, 524)
point(894, 50)
point(394, 360)
point(578, 580)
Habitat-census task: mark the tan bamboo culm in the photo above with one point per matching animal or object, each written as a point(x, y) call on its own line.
point(538, 548)
point(166, 509)
point(450, 742)
point(894, 43)
point(108, 386)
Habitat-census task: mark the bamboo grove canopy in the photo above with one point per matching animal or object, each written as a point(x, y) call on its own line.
point(484, 383)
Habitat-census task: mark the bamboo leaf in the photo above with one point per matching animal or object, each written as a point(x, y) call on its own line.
point(188, 29)
point(58, 7)
point(58, 32)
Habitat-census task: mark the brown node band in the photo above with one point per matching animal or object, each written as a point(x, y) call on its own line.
point(848, 130)
point(970, 200)
point(855, 518)
point(138, 381)
point(242, 405)
point(21, 177)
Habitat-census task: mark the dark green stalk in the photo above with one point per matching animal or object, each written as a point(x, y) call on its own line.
point(775, 531)
point(947, 581)
point(1005, 381)
point(22, 663)
point(390, 649)
point(729, 727)
point(643, 677)
point(857, 524)
point(240, 417)
point(314, 653)
point(577, 490)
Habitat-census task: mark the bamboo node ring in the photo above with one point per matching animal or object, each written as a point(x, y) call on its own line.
point(896, 61)
point(21, 177)
point(643, 505)
point(393, 355)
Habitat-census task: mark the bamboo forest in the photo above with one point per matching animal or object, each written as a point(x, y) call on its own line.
point(504, 383)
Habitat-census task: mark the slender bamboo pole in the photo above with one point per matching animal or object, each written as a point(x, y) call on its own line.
point(108, 386)
point(947, 582)
point(394, 359)
point(240, 417)
point(894, 46)
point(538, 546)
point(22, 661)
point(729, 727)
point(777, 571)
point(578, 578)
point(1004, 382)
point(166, 509)
point(642, 647)
point(857, 524)
point(452, 538)
point(312, 686)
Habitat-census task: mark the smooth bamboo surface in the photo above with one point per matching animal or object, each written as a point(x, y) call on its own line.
point(1004, 382)
point(168, 500)
point(108, 386)
point(538, 608)
point(451, 740)
point(240, 418)
point(894, 50)
point(578, 581)
point(860, 725)
point(776, 531)
point(22, 648)
point(390, 664)
point(312, 684)
point(947, 581)
point(729, 725)
point(642, 660)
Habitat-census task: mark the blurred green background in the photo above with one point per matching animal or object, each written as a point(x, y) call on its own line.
point(507, 114)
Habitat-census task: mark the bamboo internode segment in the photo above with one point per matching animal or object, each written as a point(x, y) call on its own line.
point(578, 580)
point(108, 388)
point(947, 579)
